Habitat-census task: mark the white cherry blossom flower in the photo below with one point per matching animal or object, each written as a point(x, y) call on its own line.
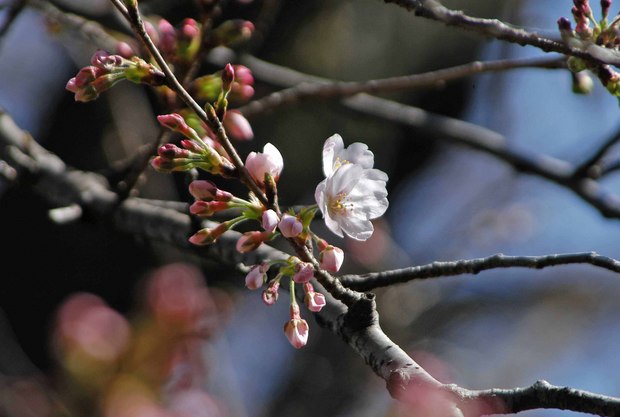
point(335, 155)
point(269, 161)
point(350, 197)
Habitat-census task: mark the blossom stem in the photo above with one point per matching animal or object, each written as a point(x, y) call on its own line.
point(233, 222)
point(330, 283)
point(292, 291)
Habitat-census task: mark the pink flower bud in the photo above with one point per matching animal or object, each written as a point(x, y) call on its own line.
point(176, 122)
point(125, 50)
point(296, 329)
point(270, 220)
point(208, 236)
point(290, 226)
point(207, 208)
point(71, 85)
point(267, 162)
point(203, 190)
point(228, 76)
point(241, 93)
point(207, 191)
point(238, 126)
point(163, 164)
point(605, 5)
point(190, 28)
point(251, 240)
point(243, 75)
point(256, 277)
point(331, 258)
point(87, 75)
point(192, 145)
point(171, 151)
point(168, 37)
point(103, 60)
point(98, 58)
point(304, 272)
point(270, 295)
point(314, 301)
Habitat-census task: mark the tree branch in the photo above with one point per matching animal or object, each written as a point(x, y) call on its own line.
point(370, 281)
point(326, 89)
point(591, 167)
point(493, 28)
point(544, 395)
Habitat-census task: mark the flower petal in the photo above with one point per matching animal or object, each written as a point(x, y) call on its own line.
point(332, 147)
point(358, 153)
point(358, 229)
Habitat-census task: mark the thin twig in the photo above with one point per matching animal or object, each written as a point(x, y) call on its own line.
point(494, 28)
point(610, 167)
point(370, 281)
point(327, 89)
point(591, 166)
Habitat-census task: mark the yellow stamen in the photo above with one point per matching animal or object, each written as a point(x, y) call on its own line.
point(340, 162)
point(338, 205)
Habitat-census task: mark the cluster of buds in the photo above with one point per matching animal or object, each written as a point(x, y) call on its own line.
point(194, 153)
point(265, 168)
point(106, 70)
point(298, 272)
point(602, 32)
point(600, 37)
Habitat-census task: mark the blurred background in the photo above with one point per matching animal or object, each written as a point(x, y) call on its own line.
point(77, 297)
